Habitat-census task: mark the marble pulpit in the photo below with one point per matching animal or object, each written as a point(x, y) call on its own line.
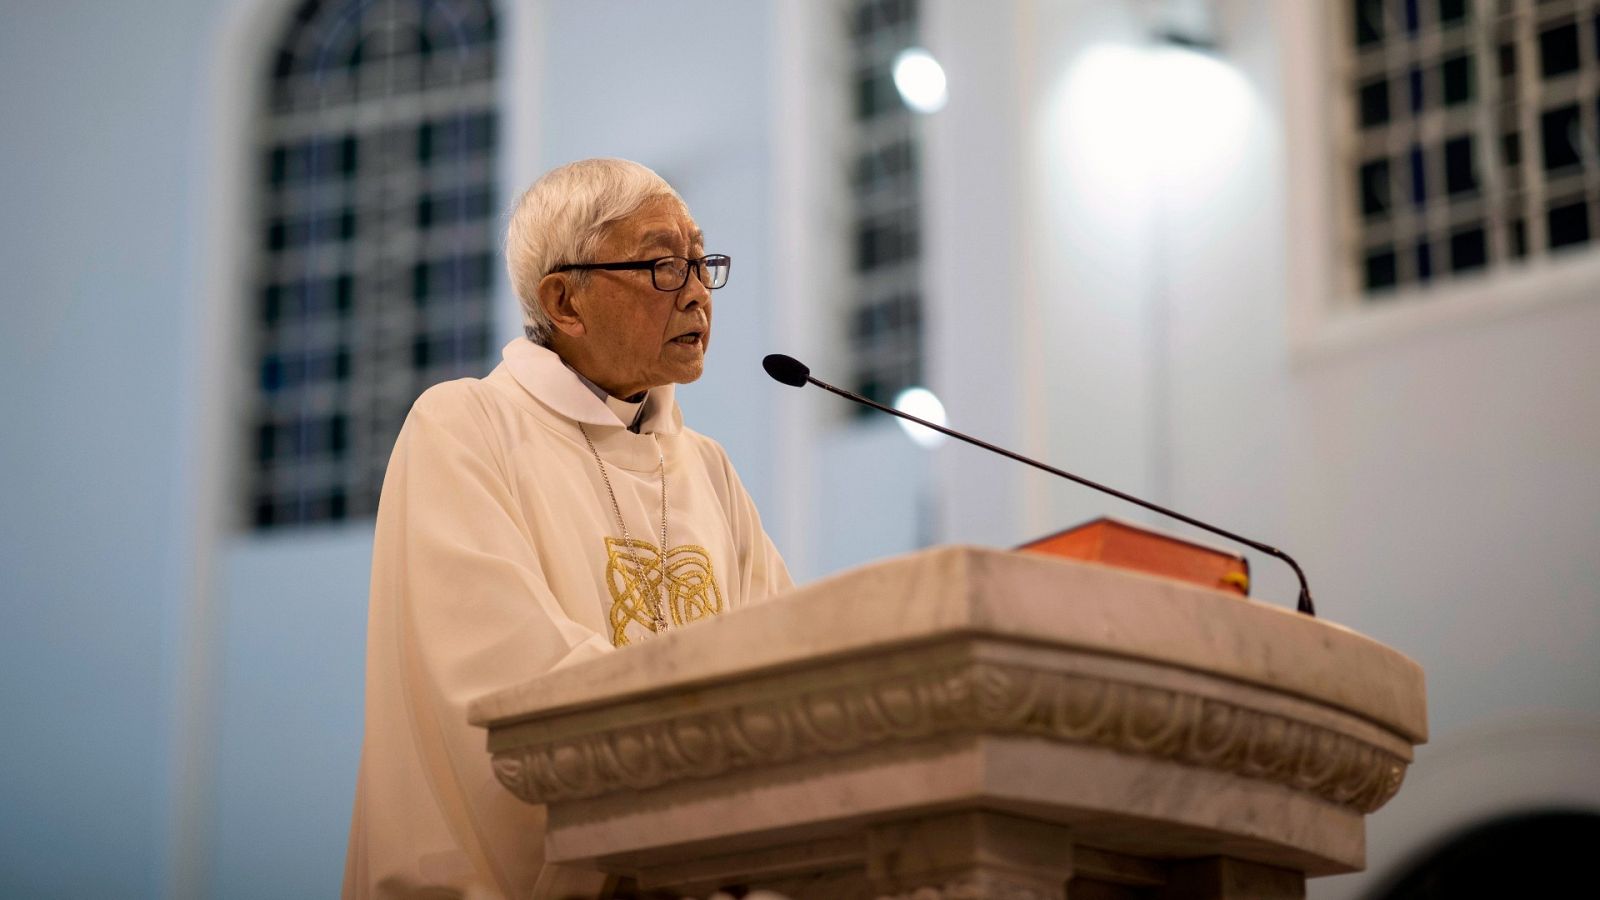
point(970, 723)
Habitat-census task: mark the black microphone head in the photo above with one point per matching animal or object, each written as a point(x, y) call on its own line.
point(786, 369)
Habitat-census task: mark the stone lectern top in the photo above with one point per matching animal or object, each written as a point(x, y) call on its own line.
point(971, 723)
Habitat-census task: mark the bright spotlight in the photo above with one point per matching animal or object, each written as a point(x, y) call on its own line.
point(921, 402)
point(920, 80)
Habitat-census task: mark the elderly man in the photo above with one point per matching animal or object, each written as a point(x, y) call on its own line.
point(550, 512)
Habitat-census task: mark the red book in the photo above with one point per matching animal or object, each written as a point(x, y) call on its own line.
point(1124, 545)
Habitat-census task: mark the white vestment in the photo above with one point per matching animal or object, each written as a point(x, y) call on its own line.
point(497, 558)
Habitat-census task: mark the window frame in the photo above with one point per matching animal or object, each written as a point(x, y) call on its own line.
point(1329, 315)
point(465, 244)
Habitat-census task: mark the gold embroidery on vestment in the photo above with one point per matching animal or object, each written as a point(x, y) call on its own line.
point(686, 586)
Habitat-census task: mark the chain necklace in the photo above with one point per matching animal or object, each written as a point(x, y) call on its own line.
point(657, 614)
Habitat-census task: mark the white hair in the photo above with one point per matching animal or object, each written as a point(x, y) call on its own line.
point(561, 220)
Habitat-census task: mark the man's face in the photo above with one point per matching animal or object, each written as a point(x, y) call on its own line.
point(634, 336)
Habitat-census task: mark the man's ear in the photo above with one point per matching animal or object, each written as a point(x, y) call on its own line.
point(556, 298)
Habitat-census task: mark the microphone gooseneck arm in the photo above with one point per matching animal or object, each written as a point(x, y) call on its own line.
point(1303, 605)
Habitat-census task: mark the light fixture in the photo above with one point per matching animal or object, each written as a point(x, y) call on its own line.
point(922, 403)
point(920, 80)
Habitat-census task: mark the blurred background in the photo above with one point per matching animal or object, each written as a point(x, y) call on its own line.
point(1322, 272)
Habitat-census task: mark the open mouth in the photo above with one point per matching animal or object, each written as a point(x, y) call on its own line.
point(688, 337)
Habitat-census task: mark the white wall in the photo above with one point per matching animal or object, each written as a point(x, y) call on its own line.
point(1435, 474)
point(287, 731)
point(96, 193)
point(1438, 481)
point(184, 706)
point(978, 269)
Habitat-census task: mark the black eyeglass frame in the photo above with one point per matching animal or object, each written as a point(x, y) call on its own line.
point(700, 266)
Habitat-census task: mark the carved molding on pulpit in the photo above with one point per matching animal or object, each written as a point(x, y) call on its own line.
point(1345, 762)
point(967, 724)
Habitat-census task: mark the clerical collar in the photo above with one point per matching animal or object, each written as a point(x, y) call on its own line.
point(629, 412)
point(544, 375)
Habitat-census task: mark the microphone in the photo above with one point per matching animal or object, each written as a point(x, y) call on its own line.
point(787, 370)
point(793, 372)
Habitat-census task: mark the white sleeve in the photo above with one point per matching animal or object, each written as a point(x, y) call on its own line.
point(472, 613)
point(762, 571)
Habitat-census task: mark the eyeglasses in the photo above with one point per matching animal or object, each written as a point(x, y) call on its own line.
point(670, 273)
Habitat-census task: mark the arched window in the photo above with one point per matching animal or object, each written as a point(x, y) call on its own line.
point(377, 236)
point(885, 184)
